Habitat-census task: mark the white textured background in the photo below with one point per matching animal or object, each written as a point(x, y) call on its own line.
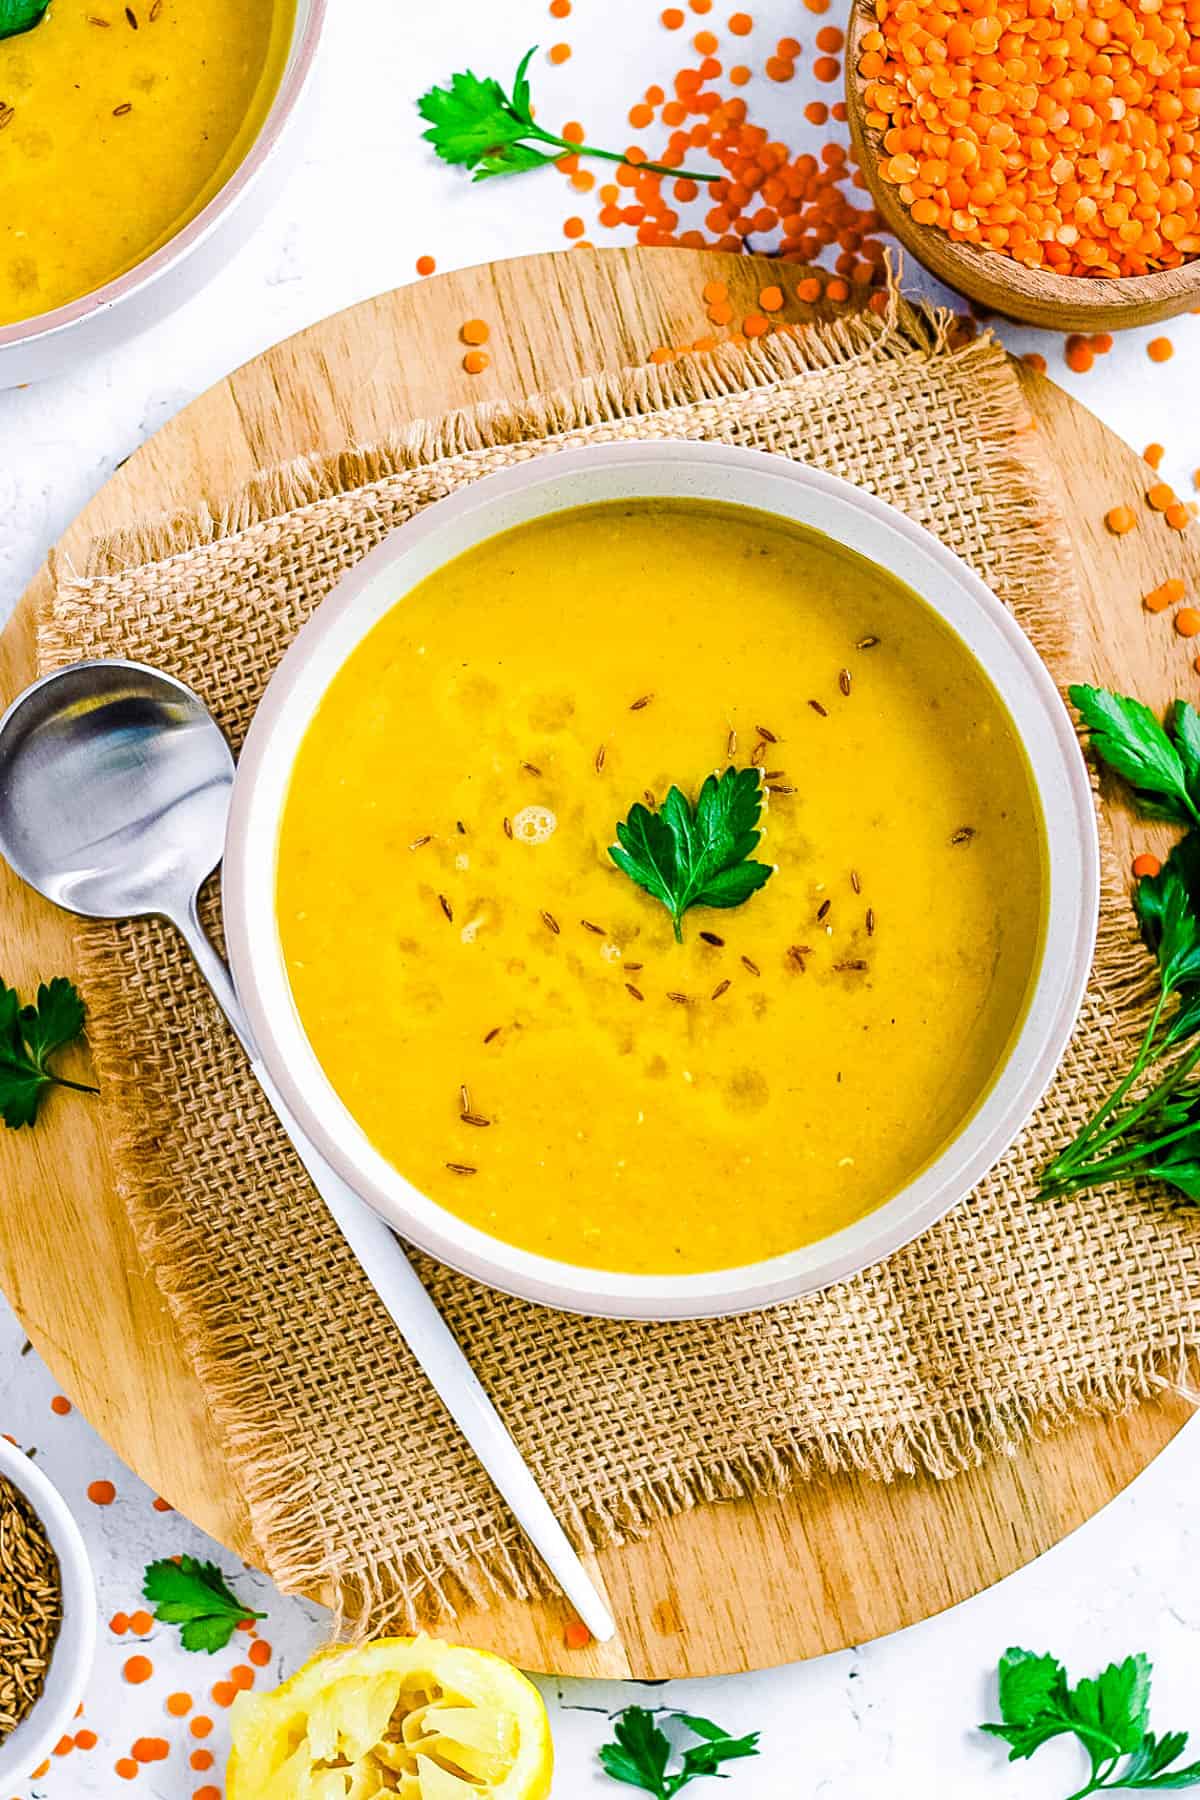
point(893, 1718)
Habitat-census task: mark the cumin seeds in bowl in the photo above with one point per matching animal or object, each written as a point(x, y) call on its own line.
point(30, 1607)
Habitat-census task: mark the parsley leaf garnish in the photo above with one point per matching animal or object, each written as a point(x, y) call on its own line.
point(29, 1036)
point(1108, 1715)
point(20, 15)
point(642, 1751)
point(474, 123)
point(196, 1596)
point(1161, 764)
point(696, 855)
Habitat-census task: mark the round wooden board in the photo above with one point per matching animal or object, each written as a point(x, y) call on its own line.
point(721, 1588)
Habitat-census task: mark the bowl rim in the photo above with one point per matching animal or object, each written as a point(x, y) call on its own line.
point(32, 1740)
point(40, 327)
point(1057, 983)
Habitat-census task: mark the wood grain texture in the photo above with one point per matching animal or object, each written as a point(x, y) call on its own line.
point(1038, 296)
point(723, 1587)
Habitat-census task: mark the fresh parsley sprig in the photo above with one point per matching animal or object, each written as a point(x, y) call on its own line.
point(698, 855)
point(21, 15)
point(642, 1751)
point(1108, 1715)
point(29, 1037)
point(195, 1596)
point(473, 122)
point(1156, 1134)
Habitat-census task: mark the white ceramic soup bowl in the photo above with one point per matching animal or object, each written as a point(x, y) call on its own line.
point(697, 471)
point(28, 1746)
point(52, 342)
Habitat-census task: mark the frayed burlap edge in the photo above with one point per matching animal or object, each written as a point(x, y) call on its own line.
point(272, 1474)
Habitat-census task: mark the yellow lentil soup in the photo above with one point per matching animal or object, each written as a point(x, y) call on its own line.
point(119, 124)
point(510, 1018)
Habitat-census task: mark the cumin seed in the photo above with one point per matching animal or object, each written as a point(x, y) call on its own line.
point(767, 736)
point(493, 1033)
point(710, 937)
point(855, 883)
point(446, 907)
point(731, 744)
point(508, 830)
point(470, 1118)
point(462, 1169)
point(844, 681)
point(759, 754)
point(777, 787)
point(102, 23)
point(600, 755)
point(132, 17)
point(464, 1098)
point(460, 828)
point(818, 708)
point(155, 10)
point(823, 909)
point(679, 999)
point(870, 921)
point(648, 795)
point(119, 112)
point(531, 768)
point(637, 705)
point(721, 988)
point(417, 842)
point(963, 835)
point(551, 923)
point(866, 643)
point(774, 774)
point(797, 954)
point(752, 966)
point(7, 114)
point(636, 992)
point(598, 930)
point(632, 968)
point(856, 964)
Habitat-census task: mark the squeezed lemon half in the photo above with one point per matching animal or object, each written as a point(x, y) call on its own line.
point(406, 1716)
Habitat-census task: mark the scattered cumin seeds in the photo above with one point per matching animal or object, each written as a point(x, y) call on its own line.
point(797, 954)
point(866, 643)
point(870, 921)
point(417, 842)
point(531, 768)
point(508, 830)
point(823, 908)
point(464, 1098)
point(598, 930)
point(855, 883)
point(758, 755)
point(119, 112)
point(679, 999)
point(637, 705)
point(710, 937)
point(7, 114)
point(636, 992)
point(493, 1033)
point(963, 835)
point(472, 1118)
point(731, 744)
point(632, 968)
point(752, 966)
point(844, 680)
point(462, 1169)
point(132, 17)
point(551, 923)
point(599, 758)
point(446, 907)
point(460, 828)
point(779, 787)
point(774, 774)
point(857, 964)
point(767, 736)
point(102, 23)
point(32, 1606)
point(818, 708)
point(155, 10)
point(722, 987)
point(649, 796)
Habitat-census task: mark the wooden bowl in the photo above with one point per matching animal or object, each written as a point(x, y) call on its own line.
point(1038, 296)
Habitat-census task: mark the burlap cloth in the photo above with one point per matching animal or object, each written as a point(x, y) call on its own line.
point(1008, 1317)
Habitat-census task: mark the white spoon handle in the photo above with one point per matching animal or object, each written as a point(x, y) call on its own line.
point(420, 1323)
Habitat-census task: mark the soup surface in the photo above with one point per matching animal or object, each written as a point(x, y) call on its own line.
point(121, 124)
point(651, 1105)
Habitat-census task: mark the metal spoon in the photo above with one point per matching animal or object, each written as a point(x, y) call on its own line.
point(114, 792)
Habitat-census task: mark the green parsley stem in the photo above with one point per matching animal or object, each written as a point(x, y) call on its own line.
point(1082, 1142)
point(76, 1087)
point(1107, 1166)
point(1169, 1084)
point(616, 156)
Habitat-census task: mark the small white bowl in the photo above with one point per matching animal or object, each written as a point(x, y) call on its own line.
point(71, 1661)
point(771, 484)
point(51, 342)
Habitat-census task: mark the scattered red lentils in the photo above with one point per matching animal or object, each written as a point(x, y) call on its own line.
point(60, 1405)
point(200, 1726)
point(138, 1669)
point(1079, 355)
point(741, 24)
point(573, 228)
point(1168, 593)
point(558, 53)
point(560, 9)
point(1146, 864)
point(207, 1793)
point(754, 325)
point(1177, 516)
point(1153, 454)
point(780, 68)
point(85, 1740)
point(475, 331)
point(476, 361)
point(576, 1635)
point(119, 1623)
point(425, 265)
point(1033, 359)
point(770, 299)
point(1187, 621)
point(672, 18)
point(141, 1622)
point(1160, 496)
point(151, 1749)
point(1161, 349)
point(242, 1676)
point(64, 1746)
point(224, 1693)
point(101, 1493)
point(126, 1768)
point(201, 1760)
point(259, 1653)
point(161, 1505)
point(1120, 519)
point(179, 1705)
point(739, 74)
